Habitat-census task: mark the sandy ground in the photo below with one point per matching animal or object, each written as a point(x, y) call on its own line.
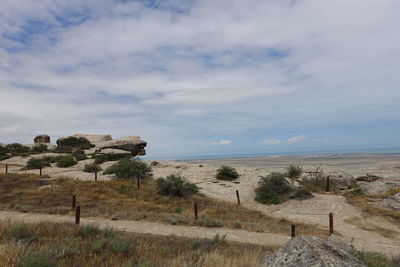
point(364, 232)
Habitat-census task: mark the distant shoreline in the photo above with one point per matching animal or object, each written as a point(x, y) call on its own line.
point(332, 153)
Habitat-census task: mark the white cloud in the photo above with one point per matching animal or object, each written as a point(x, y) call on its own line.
point(223, 142)
point(297, 139)
point(272, 141)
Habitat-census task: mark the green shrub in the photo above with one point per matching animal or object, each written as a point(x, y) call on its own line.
point(75, 142)
point(92, 168)
point(37, 259)
point(4, 153)
point(79, 154)
point(17, 149)
point(294, 171)
point(36, 163)
point(39, 148)
point(227, 173)
point(130, 169)
point(271, 188)
point(99, 159)
point(375, 259)
point(20, 231)
point(175, 186)
point(66, 161)
point(210, 222)
point(88, 230)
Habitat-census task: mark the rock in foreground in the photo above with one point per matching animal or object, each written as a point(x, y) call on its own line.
point(312, 251)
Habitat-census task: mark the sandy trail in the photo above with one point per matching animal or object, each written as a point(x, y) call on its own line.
point(265, 239)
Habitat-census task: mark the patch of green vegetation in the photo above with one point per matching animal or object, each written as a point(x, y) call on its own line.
point(66, 161)
point(69, 144)
point(16, 149)
point(130, 169)
point(294, 171)
point(175, 186)
point(37, 259)
point(271, 188)
point(227, 173)
point(39, 149)
point(88, 230)
point(36, 163)
point(92, 168)
point(375, 259)
point(99, 159)
point(79, 154)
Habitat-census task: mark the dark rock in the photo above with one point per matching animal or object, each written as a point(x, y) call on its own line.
point(368, 178)
point(42, 139)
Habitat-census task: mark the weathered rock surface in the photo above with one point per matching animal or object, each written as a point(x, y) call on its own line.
point(375, 188)
point(341, 180)
point(312, 251)
point(114, 151)
point(133, 144)
point(392, 202)
point(95, 138)
point(42, 139)
point(368, 178)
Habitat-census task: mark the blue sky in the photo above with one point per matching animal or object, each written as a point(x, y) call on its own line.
point(203, 77)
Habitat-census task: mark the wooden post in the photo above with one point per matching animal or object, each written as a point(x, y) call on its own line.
point(237, 196)
point(138, 183)
point(95, 176)
point(40, 171)
point(195, 210)
point(6, 168)
point(327, 184)
point(73, 202)
point(293, 230)
point(77, 215)
point(330, 223)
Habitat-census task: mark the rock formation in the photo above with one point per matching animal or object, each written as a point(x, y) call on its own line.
point(375, 188)
point(341, 180)
point(42, 139)
point(392, 202)
point(312, 251)
point(132, 144)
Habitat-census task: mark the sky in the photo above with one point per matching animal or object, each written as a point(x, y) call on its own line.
point(209, 77)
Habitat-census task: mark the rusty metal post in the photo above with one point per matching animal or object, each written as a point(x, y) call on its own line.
point(238, 197)
point(40, 171)
point(73, 202)
point(330, 223)
point(138, 183)
point(95, 176)
point(327, 184)
point(293, 230)
point(77, 215)
point(6, 168)
point(195, 210)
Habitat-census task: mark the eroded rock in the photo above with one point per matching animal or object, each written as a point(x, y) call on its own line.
point(392, 202)
point(375, 188)
point(309, 250)
point(42, 139)
point(133, 144)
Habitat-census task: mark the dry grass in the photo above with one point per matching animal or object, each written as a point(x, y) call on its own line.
point(66, 245)
point(362, 202)
point(122, 200)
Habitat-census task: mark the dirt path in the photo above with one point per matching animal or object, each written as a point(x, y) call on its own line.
point(266, 239)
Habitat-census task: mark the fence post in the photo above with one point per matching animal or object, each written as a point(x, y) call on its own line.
point(138, 183)
point(40, 171)
point(330, 223)
point(293, 230)
point(95, 176)
point(73, 202)
point(77, 215)
point(195, 210)
point(237, 196)
point(327, 184)
point(6, 168)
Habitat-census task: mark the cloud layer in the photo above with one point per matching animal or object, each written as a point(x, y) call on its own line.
point(183, 74)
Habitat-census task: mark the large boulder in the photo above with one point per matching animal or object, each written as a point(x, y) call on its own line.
point(392, 202)
point(375, 188)
point(42, 139)
point(312, 251)
point(341, 180)
point(133, 144)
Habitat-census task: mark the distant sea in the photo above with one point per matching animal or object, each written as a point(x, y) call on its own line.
point(395, 150)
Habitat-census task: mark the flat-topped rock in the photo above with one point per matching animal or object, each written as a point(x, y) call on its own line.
point(95, 138)
point(133, 144)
